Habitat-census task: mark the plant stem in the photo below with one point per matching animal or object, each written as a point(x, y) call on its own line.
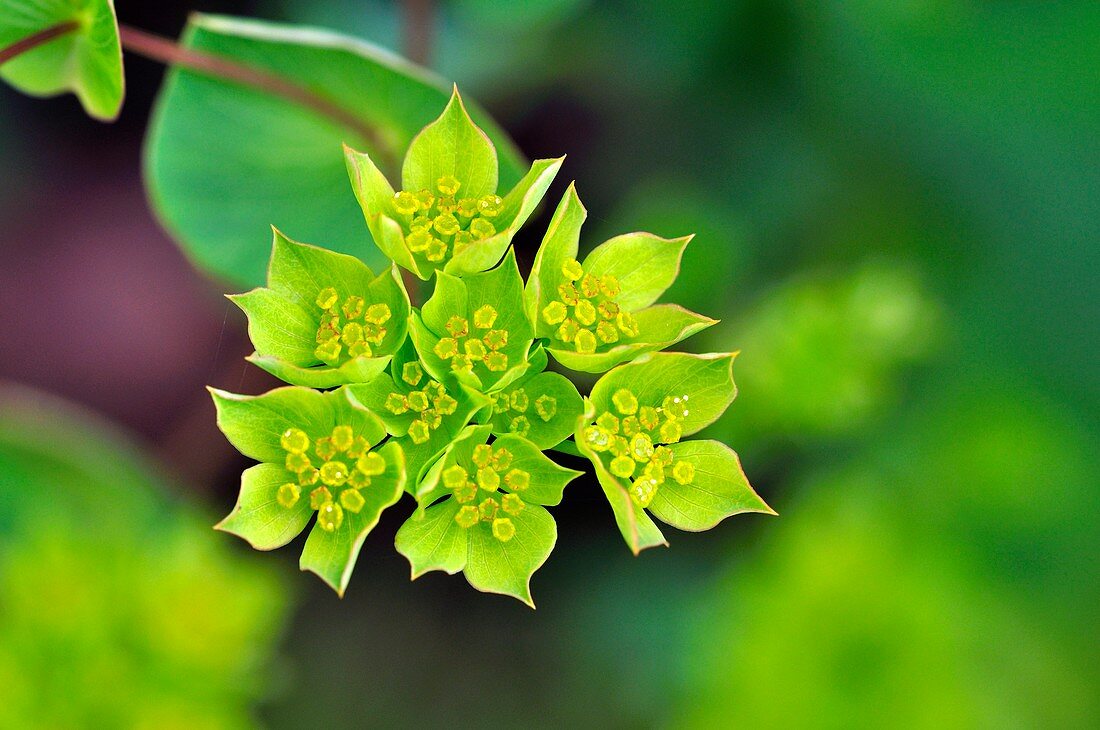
point(417, 15)
point(171, 53)
point(37, 39)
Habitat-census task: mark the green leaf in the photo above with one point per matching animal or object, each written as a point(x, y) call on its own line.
point(432, 540)
point(719, 489)
point(506, 568)
point(645, 265)
point(275, 161)
point(489, 303)
point(706, 380)
point(452, 146)
point(258, 517)
point(284, 320)
point(549, 402)
point(560, 243)
point(637, 528)
point(86, 61)
point(332, 555)
point(659, 327)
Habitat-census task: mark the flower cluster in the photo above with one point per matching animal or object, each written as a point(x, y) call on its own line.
point(451, 400)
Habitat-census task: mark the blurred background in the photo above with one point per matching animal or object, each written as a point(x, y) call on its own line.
point(897, 215)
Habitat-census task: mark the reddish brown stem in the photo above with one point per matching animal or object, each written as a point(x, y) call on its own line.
point(169, 52)
point(37, 39)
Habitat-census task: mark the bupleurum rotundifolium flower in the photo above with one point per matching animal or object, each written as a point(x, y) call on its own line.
point(324, 319)
point(479, 490)
point(600, 312)
point(331, 472)
point(425, 400)
point(448, 214)
point(634, 429)
point(585, 313)
point(636, 438)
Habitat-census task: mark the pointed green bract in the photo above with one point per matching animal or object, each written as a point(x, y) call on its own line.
point(254, 424)
point(506, 568)
point(491, 522)
point(663, 325)
point(258, 517)
point(324, 319)
point(637, 528)
point(332, 554)
point(561, 242)
point(451, 146)
point(86, 61)
point(279, 162)
point(718, 490)
point(644, 265)
point(705, 380)
point(432, 540)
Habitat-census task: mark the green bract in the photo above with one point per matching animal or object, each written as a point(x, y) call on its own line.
point(600, 313)
point(632, 430)
point(452, 401)
point(86, 60)
point(324, 318)
point(320, 453)
point(449, 215)
point(491, 522)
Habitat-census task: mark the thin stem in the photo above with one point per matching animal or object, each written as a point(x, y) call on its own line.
point(417, 16)
point(171, 53)
point(37, 39)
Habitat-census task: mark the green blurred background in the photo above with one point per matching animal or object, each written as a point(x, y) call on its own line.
point(897, 215)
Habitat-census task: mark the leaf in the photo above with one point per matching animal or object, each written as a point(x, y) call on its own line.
point(258, 517)
point(451, 146)
point(645, 265)
point(637, 528)
point(719, 489)
point(659, 327)
point(274, 161)
point(86, 61)
point(561, 242)
point(707, 380)
point(332, 555)
point(545, 394)
point(506, 568)
point(356, 370)
point(432, 540)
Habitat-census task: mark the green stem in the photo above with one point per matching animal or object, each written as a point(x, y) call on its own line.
point(568, 447)
point(37, 39)
point(170, 53)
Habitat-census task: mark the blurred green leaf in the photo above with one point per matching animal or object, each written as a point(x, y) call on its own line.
point(105, 579)
point(274, 162)
point(86, 61)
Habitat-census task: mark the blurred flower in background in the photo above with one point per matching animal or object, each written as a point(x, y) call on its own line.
point(896, 207)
